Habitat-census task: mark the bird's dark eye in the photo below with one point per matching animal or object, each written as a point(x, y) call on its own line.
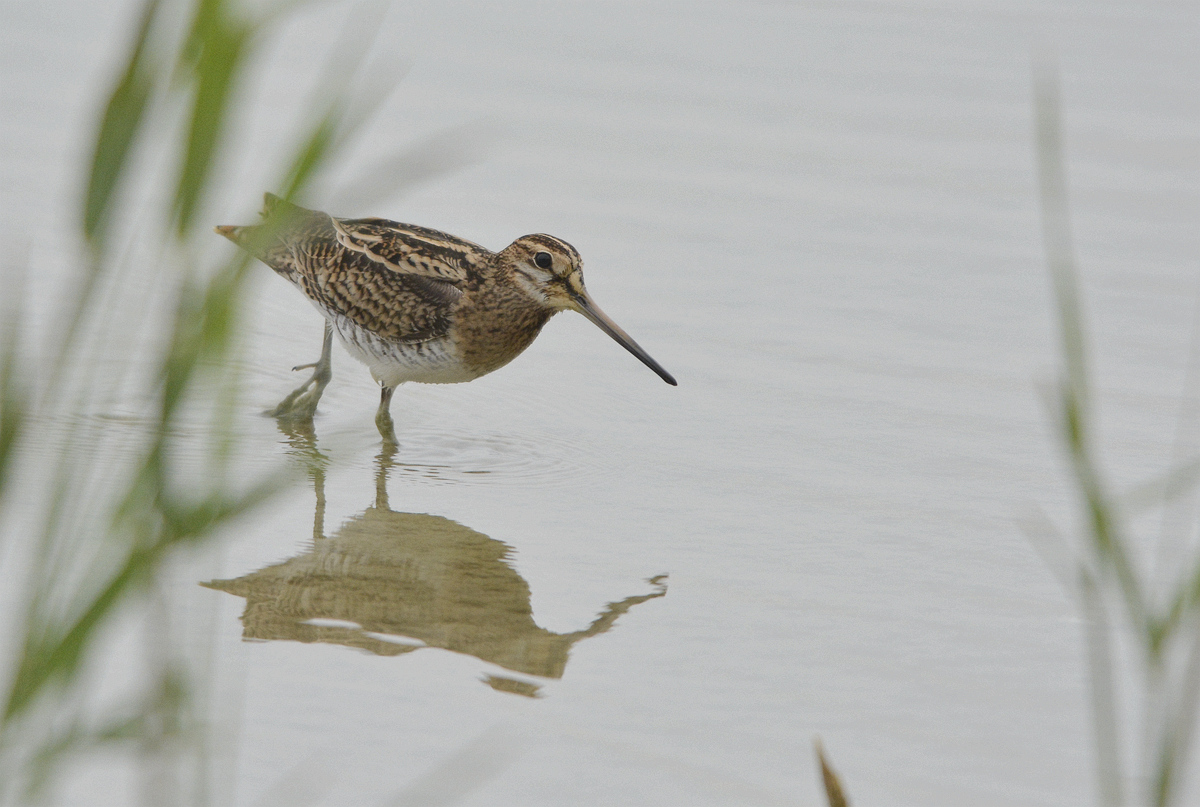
point(543, 260)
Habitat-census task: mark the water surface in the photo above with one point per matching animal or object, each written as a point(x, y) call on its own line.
point(821, 219)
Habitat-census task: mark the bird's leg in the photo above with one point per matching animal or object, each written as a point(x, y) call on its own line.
point(384, 462)
point(383, 417)
point(301, 403)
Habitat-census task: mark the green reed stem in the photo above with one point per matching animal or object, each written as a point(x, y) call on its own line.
point(108, 531)
point(1165, 627)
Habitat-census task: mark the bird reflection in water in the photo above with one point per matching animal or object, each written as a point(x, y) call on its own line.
point(385, 579)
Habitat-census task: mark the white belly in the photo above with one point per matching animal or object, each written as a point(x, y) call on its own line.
point(436, 361)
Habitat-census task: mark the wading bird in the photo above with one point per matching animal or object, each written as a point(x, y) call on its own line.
point(415, 304)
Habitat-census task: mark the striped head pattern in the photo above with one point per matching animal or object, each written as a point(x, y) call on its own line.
point(548, 269)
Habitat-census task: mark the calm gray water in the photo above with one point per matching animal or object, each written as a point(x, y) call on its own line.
point(821, 217)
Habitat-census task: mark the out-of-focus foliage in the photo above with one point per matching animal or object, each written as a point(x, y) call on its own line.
point(108, 527)
point(1118, 595)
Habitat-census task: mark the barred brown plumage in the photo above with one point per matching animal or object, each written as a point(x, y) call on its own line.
point(416, 304)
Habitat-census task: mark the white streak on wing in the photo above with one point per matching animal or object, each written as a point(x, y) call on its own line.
point(351, 241)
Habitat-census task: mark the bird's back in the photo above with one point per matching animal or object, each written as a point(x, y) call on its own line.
point(397, 281)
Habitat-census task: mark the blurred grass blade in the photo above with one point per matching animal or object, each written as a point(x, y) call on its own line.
point(833, 786)
point(14, 404)
point(434, 156)
point(342, 118)
point(77, 737)
point(205, 322)
point(313, 152)
point(214, 52)
point(1175, 746)
point(1167, 487)
point(1105, 719)
point(109, 527)
point(1075, 394)
point(1056, 230)
point(14, 393)
point(52, 659)
point(123, 117)
point(197, 521)
point(1106, 541)
point(1056, 551)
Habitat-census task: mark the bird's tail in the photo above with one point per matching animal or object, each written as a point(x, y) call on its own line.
point(282, 223)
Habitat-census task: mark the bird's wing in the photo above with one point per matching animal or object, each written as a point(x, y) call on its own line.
point(396, 305)
point(412, 250)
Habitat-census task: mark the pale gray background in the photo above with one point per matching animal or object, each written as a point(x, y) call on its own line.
point(821, 217)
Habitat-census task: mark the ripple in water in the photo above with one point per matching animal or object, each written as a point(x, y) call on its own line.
point(441, 457)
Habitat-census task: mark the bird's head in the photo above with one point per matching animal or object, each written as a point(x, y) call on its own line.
point(551, 272)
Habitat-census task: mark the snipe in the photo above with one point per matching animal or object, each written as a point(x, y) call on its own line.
point(415, 304)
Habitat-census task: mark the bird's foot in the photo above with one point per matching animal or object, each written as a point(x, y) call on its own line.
point(301, 403)
point(387, 429)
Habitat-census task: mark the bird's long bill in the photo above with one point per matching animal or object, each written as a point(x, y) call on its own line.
point(593, 312)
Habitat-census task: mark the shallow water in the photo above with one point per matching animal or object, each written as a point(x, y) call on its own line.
point(821, 219)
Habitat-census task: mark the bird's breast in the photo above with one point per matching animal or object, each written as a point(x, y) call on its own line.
point(432, 361)
point(492, 329)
